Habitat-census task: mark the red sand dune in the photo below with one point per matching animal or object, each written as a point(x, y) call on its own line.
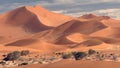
point(111, 22)
point(110, 32)
point(73, 26)
point(38, 28)
point(38, 45)
point(77, 37)
point(28, 20)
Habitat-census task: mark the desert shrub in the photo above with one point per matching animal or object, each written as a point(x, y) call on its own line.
point(13, 56)
point(90, 51)
point(66, 56)
point(79, 55)
point(24, 52)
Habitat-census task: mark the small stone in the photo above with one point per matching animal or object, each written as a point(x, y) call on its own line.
point(35, 62)
point(9, 62)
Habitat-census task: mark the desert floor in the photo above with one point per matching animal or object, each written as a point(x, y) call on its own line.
point(76, 64)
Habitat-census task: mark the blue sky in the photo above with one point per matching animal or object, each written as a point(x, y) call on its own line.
point(70, 7)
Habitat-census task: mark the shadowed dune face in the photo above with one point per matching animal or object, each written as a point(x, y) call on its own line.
point(22, 42)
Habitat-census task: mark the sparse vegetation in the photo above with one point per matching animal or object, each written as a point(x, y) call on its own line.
point(21, 57)
point(91, 51)
point(25, 52)
point(66, 56)
point(13, 56)
point(79, 55)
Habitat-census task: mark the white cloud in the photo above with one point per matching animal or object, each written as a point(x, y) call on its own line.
point(114, 13)
point(61, 11)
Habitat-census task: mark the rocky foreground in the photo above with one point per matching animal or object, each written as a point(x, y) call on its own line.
point(27, 59)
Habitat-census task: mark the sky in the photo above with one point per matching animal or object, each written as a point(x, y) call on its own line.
point(69, 7)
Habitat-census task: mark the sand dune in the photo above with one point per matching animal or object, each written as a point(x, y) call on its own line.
point(109, 40)
point(45, 17)
point(73, 26)
point(108, 33)
point(28, 20)
point(29, 26)
point(111, 22)
point(37, 44)
point(91, 42)
point(77, 37)
point(81, 27)
point(49, 18)
point(37, 29)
